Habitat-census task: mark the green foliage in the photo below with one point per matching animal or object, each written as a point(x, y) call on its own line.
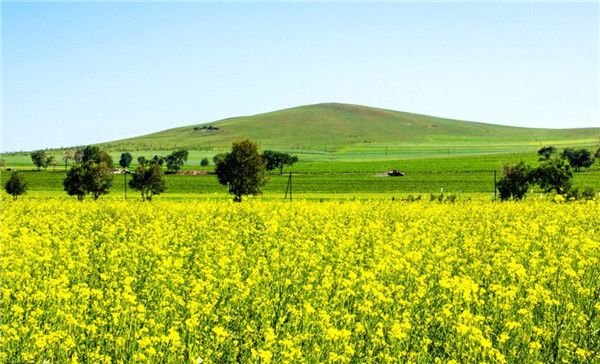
point(546, 152)
point(125, 160)
point(16, 185)
point(93, 154)
point(278, 160)
point(74, 183)
point(39, 159)
point(242, 170)
point(142, 161)
point(157, 160)
point(578, 158)
point(553, 174)
point(149, 180)
point(204, 162)
point(217, 158)
point(588, 193)
point(176, 160)
point(514, 181)
point(92, 175)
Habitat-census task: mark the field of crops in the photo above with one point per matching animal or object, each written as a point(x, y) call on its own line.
point(467, 174)
point(341, 282)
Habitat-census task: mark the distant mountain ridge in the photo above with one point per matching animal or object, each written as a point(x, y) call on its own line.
point(336, 126)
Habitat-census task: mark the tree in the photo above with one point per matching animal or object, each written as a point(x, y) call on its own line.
point(204, 162)
point(51, 161)
point(514, 181)
point(2, 163)
point(39, 159)
point(218, 158)
point(93, 154)
point(288, 161)
point(277, 160)
point(553, 174)
point(242, 170)
point(125, 160)
point(158, 160)
point(16, 185)
point(148, 180)
point(597, 154)
point(578, 158)
point(97, 179)
point(142, 161)
point(176, 159)
point(546, 152)
point(74, 183)
point(92, 175)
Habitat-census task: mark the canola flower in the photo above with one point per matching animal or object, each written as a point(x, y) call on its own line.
point(270, 282)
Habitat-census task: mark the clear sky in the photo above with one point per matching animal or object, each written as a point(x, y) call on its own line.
point(78, 73)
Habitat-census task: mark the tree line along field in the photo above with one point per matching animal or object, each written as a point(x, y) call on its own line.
point(264, 281)
point(466, 174)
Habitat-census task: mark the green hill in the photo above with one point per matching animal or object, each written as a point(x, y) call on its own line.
point(346, 129)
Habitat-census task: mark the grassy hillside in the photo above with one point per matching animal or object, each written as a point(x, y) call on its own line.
point(354, 129)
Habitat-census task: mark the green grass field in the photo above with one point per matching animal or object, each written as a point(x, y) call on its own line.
point(350, 179)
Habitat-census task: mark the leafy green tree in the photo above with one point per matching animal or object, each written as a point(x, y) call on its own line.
point(278, 160)
point(546, 152)
point(92, 175)
point(176, 160)
point(16, 185)
point(578, 158)
point(158, 160)
point(597, 154)
point(93, 154)
point(218, 158)
point(125, 160)
point(149, 180)
point(2, 163)
point(204, 162)
point(98, 179)
point(39, 159)
point(142, 161)
point(242, 170)
point(514, 181)
point(74, 183)
point(553, 174)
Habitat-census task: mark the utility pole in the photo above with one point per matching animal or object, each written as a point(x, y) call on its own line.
point(288, 188)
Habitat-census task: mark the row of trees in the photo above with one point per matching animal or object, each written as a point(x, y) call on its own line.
point(553, 173)
point(577, 158)
point(243, 170)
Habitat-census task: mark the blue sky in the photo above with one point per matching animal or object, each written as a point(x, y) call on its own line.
point(78, 73)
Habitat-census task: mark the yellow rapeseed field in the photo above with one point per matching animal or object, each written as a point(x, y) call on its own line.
point(307, 282)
